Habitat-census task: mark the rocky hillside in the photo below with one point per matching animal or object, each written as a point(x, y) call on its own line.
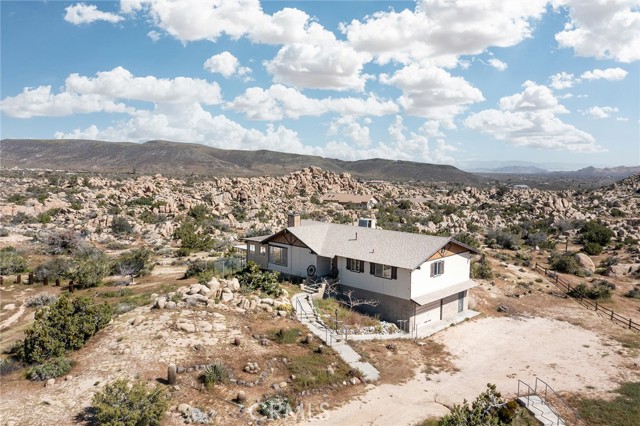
point(181, 159)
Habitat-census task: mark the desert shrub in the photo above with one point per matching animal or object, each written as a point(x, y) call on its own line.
point(634, 293)
point(197, 267)
point(592, 248)
point(148, 217)
point(286, 335)
point(466, 238)
point(134, 263)
point(488, 409)
point(120, 404)
point(88, 267)
point(252, 278)
point(539, 239)
point(52, 269)
point(183, 252)
point(18, 199)
point(62, 242)
point(190, 239)
point(565, 263)
point(600, 290)
point(140, 201)
point(120, 225)
point(482, 269)
point(4, 232)
point(64, 326)
point(199, 212)
point(49, 370)
point(214, 374)
point(497, 238)
point(405, 204)
point(9, 365)
point(41, 299)
point(595, 232)
point(11, 262)
point(616, 212)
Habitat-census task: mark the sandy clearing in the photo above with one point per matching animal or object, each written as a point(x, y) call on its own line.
point(13, 318)
point(495, 350)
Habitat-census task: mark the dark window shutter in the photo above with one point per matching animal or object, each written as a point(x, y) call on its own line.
point(442, 268)
point(372, 268)
point(394, 273)
point(361, 266)
point(348, 263)
point(433, 269)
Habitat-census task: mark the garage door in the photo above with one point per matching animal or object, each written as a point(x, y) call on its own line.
point(428, 313)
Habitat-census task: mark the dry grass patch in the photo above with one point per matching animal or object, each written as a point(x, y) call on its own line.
point(346, 317)
point(398, 360)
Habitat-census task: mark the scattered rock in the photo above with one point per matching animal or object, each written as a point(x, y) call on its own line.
point(137, 320)
point(187, 326)
point(241, 397)
point(502, 308)
point(49, 383)
point(585, 262)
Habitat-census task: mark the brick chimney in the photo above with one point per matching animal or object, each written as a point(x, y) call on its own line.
point(293, 219)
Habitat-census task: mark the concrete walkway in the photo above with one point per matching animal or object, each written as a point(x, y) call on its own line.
point(304, 312)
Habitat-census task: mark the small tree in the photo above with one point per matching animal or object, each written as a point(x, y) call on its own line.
point(120, 225)
point(565, 262)
point(52, 269)
point(133, 263)
point(11, 262)
point(88, 267)
point(351, 301)
point(488, 409)
point(121, 404)
point(482, 269)
point(63, 242)
point(65, 325)
point(595, 235)
point(252, 278)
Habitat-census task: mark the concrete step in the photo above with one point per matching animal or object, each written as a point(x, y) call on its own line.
point(542, 412)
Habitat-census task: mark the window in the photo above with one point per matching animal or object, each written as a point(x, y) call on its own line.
point(252, 248)
point(384, 271)
point(263, 250)
point(278, 255)
point(437, 268)
point(355, 265)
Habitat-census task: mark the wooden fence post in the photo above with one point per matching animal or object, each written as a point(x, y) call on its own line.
point(70, 286)
point(18, 279)
point(612, 315)
point(31, 280)
point(596, 306)
point(45, 281)
point(1, 280)
point(57, 282)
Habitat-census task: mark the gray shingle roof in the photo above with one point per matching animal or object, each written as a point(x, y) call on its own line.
point(401, 249)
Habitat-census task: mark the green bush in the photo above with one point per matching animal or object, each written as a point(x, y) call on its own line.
point(600, 290)
point(634, 293)
point(49, 370)
point(497, 238)
point(482, 269)
point(133, 263)
point(615, 212)
point(119, 404)
point(252, 278)
point(275, 407)
point(592, 248)
point(52, 269)
point(4, 232)
point(565, 263)
point(11, 262)
point(198, 267)
point(488, 409)
point(191, 239)
point(199, 212)
point(88, 267)
point(62, 242)
point(64, 326)
point(120, 225)
point(215, 374)
point(595, 232)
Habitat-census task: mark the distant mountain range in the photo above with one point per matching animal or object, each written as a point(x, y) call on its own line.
point(175, 158)
point(180, 159)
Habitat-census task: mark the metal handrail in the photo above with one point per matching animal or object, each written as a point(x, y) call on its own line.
point(532, 391)
point(576, 416)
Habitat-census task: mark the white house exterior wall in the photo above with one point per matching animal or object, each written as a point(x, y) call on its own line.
point(456, 270)
point(400, 287)
point(298, 260)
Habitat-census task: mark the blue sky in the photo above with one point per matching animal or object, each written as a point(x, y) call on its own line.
point(445, 81)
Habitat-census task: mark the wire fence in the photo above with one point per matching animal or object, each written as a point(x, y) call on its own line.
point(589, 304)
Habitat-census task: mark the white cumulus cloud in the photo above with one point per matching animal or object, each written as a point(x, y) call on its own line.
point(87, 13)
point(432, 92)
point(83, 94)
point(562, 80)
point(226, 64)
point(600, 112)
point(529, 119)
point(611, 74)
point(278, 102)
point(603, 29)
point(498, 64)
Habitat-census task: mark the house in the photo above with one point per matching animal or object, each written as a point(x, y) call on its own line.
point(364, 201)
point(416, 278)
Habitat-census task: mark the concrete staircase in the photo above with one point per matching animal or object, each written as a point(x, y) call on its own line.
point(542, 412)
point(306, 314)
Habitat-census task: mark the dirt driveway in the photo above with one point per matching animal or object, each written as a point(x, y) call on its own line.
point(493, 350)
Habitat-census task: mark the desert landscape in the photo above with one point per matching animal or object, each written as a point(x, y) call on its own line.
point(179, 308)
